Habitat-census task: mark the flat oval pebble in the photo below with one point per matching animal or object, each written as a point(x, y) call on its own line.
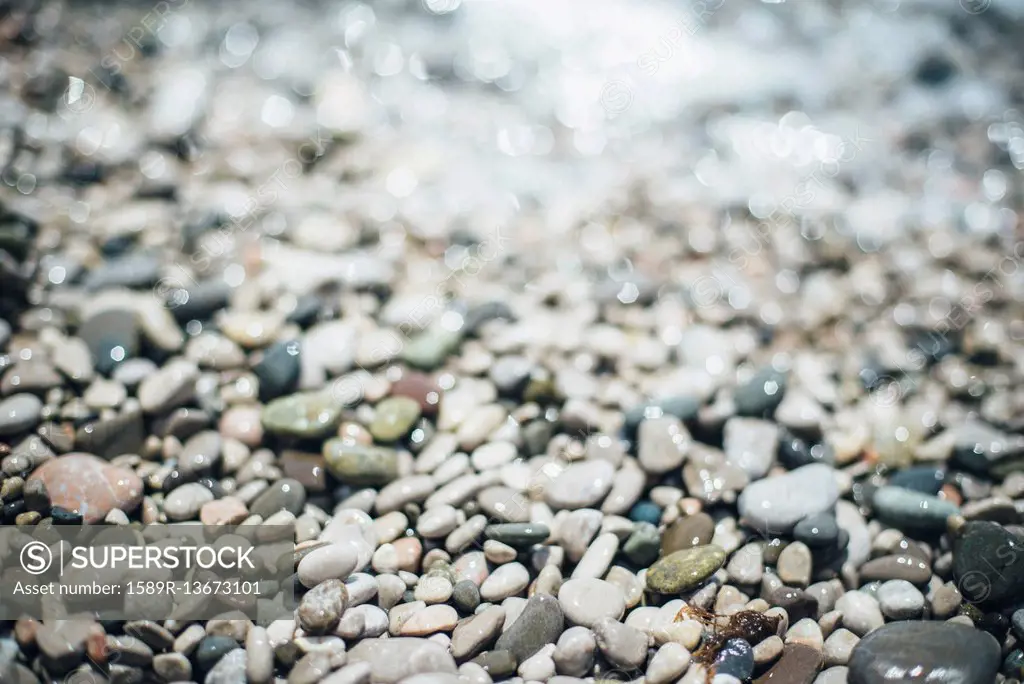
point(540, 623)
point(684, 570)
point(581, 485)
point(799, 664)
point(988, 563)
point(333, 561)
point(587, 600)
point(908, 510)
point(19, 413)
point(506, 580)
point(89, 486)
point(309, 415)
point(392, 660)
point(776, 504)
point(941, 652)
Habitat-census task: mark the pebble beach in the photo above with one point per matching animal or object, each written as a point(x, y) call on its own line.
point(630, 341)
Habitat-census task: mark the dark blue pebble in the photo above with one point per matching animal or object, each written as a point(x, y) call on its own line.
point(924, 479)
point(761, 394)
point(736, 658)
point(645, 511)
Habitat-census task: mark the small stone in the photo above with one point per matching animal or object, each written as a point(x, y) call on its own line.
point(19, 413)
point(360, 465)
point(278, 369)
point(574, 652)
point(624, 646)
point(839, 646)
point(988, 563)
point(684, 570)
point(172, 667)
point(88, 486)
point(761, 394)
point(472, 635)
point(498, 664)
point(466, 596)
point(751, 445)
point(908, 510)
point(507, 580)
point(333, 561)
point(541, 622)
point(393, 418)
point(210, 650)
point(795, 564)
point(817, 531)
point(903, 566)
point(185, 502)
point(229, 670)
point(433, 589)
point(768, 651)
point(585, 601)
point(518, 535)
point(807, 632)
point(931, 651)
point(321, 607)
point(799, 664)
point(861, 613)
point(580, 485)
point(643, 544)
point(429, 620)
point(687, 532)
point(776, 504)
point(169, 387)
point(308, 415)
point(662, 444)
point(259, 665)
point(284, 495)
point(668, 664)
point(736, 658)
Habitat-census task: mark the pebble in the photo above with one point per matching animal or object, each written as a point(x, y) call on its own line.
point(776, 504)
point(926, 651)
point(333, 561)
point(622, 645)
point(540, 623)
point(761, 394)
point(988, 563)
point(798, 664)
point(89, 486)
point(861, 612)
point(736, 659)
point(750, 444)
point(795, 564)
point(429, 620)
point(768, 651)
point(903, 566)
point(392, 660)
point(586, 601)
point(393, 418)
point(838, 647)
point(574, 652)
point(284, 495)
point(169, 387)
point(321, 607)
point(518, 535)
point(472, 635)
point(229, 670)
point(580, 485)
point(259, 664)
point(684, 570)
point(668, 664)
point(817, 531)
point(687, 532)
point(18, 413)
point(507, 580)
point(185, 502)
point(360, 465)
point(910, 511)
point(172, 667)
point(308, 415)
point(805, 631)
point(643, 545)
point(662, 444)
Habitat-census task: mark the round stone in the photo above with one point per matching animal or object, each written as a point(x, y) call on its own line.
point(322, 606)
point(687, 532)
point(684, 570)
point(581, 485)
point(817, 531)
point(988, 564)
point(393, 418)
point(586, 601)
point(540, 623)
point(900, 600)
point(89, 486)
point(908, 510)
point(18, 413)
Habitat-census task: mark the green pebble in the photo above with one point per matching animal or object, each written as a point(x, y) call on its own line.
point(518, 535)
point(430, 348)
point(684, 570)
point(906, 509)
point(360, 465)
point(308, 415)
point(393, 418)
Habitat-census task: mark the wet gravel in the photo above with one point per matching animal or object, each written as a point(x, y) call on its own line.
point(649, 343)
